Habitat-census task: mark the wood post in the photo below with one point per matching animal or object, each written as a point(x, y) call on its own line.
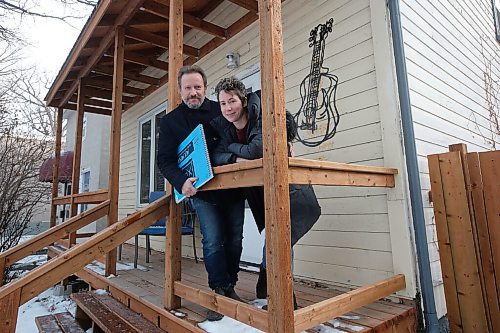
point(173, 236)
point(114, 146)
point(275, 163)
point(77, 155)
point(55, 168)
point(2, 270)
point(9, 306)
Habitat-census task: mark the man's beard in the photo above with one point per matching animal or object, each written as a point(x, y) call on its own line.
point(194, 106)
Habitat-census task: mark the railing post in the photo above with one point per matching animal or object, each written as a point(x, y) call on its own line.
point(173, 236)
point(275, 164)
point(114, 149)
point(55, 167)
point(9, 306)
point(2, 270)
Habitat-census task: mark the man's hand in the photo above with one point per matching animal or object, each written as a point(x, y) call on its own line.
point(188, 189)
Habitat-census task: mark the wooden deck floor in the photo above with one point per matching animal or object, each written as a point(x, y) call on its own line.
point(147, 282)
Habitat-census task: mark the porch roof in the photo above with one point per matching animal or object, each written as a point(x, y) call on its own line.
point(207, 25)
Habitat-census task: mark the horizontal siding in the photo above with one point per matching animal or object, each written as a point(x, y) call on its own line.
point(446, 43)
point(350, 245)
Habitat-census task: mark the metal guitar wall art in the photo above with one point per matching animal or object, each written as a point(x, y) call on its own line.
point(318, 117)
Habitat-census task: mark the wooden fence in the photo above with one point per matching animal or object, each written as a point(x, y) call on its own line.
point(466, 196)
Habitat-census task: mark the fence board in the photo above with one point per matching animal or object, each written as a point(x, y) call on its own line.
point(490, 171)
point(448, 272)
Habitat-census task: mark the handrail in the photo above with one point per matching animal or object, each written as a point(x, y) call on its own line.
point(83, 198)
point(82, 254)
point(51, 235)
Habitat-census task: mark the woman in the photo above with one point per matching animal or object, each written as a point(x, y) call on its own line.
point(240, 131)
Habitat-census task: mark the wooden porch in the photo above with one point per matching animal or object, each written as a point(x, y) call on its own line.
point(146, 283)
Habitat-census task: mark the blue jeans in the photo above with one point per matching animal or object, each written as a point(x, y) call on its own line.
point(222, 230)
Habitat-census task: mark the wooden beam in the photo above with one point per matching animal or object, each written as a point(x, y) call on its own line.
point(130, 7)
point(251, 5)
point(114, 146)
point(240, 311)
point(300, 175)
point(189, 20)
point(108, 85)
point(173, 235)
point(146, 61)
point(157, 40)
point(318, 313)
point(54, 234)
point(83, 39)
point(275, 164)
point(326, 165)
point(128, 75)
point(105, 94)
point(9, 306)
point(77, 152)
point(89, 109)
point(82, 198)
point(79, 256)
point(55, 167)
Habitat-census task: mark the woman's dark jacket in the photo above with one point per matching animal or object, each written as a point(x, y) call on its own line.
point(304, 207)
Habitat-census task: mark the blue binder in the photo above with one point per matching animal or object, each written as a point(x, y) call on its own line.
point(194, 160)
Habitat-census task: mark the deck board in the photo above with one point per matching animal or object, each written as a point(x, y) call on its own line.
point(147, 282)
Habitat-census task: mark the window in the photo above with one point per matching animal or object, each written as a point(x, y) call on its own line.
point(496, 17)
point(84, 187)
point(149, 176)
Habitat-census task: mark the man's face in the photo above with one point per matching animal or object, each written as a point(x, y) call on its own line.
point(193, 90)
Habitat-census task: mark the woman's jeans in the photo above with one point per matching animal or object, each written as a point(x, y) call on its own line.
point(222, 229)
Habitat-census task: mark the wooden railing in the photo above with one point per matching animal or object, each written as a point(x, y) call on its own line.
point(82, 198)
point(74, 259)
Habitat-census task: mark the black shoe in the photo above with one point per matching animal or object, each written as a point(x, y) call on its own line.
point(211, 314)
point(229, 292)
point(295, 306)
point(261, 287)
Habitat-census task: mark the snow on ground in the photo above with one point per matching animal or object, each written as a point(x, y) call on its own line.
point(99, 267)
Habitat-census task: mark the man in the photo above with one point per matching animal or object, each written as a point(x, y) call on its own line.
point(221, 213)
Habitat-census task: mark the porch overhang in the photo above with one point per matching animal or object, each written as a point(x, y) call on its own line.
point(145, 24)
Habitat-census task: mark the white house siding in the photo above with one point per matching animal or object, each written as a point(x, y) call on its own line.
point(445, 71)
point(351, 244)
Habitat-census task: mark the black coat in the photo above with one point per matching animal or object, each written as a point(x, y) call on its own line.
point(175, 126)
point(304, 207)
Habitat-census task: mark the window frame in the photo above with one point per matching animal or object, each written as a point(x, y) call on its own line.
point(495, 6)
point(148, 116)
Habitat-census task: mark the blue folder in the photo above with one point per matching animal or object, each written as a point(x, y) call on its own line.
point(194, 160)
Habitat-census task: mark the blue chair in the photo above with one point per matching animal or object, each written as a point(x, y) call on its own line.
point(159, 227)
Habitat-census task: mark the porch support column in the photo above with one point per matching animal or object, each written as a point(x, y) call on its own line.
point(275, 164)
point(77, 157)
point(114, 148)
point(55, 168)
point(173, 236)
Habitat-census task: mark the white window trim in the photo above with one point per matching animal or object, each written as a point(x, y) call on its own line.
point(150, 115)
point(80, 188)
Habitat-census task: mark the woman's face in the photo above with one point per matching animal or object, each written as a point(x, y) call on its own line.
point(232, 107)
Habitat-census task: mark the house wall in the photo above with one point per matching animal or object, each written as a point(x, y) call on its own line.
point(446, 44)
point(363, 234)
point(95, 153)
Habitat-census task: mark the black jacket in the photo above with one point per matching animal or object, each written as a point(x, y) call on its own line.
point(304, 207)
point(175, 126)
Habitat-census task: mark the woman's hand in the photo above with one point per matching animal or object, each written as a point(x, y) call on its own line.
point(240, 159)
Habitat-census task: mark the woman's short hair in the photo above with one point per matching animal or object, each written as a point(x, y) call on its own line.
point(231, 84)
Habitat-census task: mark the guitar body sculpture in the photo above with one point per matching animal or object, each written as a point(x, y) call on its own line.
point(318, 117)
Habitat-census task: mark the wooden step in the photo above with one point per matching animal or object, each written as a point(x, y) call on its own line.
point(62, 322)
point(109, 315)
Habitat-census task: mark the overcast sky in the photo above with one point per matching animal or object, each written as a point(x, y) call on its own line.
point(51, 40)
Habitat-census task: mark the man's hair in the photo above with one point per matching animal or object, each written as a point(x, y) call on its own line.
point(291, 127)
point(191, 69)
point(231, 84)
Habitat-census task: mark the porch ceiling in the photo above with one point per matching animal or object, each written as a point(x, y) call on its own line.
point(146, 47)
